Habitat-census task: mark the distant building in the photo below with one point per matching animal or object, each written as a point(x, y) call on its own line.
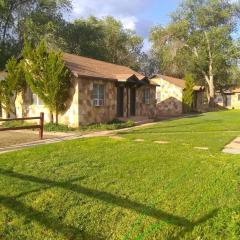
point(229, 99)
point(169, 95)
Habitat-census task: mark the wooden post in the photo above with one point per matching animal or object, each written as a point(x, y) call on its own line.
point(41, 125)
point(127, 102)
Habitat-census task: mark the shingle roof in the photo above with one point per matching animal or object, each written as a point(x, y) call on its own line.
point(87, 67)
point(176, 81)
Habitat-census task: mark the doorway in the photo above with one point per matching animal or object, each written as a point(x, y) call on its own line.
point(120, 101)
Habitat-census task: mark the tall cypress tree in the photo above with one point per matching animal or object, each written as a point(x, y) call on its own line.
point(188, 93)
point(48, 77)
point(13, 84)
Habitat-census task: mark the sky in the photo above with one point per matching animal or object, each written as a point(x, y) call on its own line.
point(137, 15)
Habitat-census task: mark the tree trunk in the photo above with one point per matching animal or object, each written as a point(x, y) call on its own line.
point(211, 93)
point(56, 117)
point(51, 116)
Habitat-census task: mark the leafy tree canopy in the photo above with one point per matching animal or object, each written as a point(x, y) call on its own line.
point(200, 40)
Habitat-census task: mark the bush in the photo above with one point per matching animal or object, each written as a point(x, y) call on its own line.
point(15, 123)
point(52, 127)
point(113, 125)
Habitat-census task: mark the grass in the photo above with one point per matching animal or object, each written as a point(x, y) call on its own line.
point(106, 188)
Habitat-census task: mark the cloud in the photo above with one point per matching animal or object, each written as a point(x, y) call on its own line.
point(127, 11)
point(109, 7)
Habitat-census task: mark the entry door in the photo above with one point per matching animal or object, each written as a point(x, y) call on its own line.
point(228, 101)
point(120, 101)
point(132, 101)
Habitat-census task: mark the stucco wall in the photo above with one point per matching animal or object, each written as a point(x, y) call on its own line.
point(235, 103)
point(70, 117)
point(171, 98)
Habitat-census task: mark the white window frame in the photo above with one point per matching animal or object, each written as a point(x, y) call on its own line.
point(98, 98)
point(146, 96)
point(38, 102)
point(238, 97)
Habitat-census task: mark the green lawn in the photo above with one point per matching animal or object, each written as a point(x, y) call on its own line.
point(106, 188)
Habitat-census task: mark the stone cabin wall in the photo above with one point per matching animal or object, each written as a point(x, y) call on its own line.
point(80, 108)
point(170, 98)
point(88, 113)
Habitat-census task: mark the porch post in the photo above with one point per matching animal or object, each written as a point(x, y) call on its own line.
point(127, 101)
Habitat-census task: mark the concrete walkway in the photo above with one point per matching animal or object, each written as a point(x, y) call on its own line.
point(70, 136)
point(233, 147)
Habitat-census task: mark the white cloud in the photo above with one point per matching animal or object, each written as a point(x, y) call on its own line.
point(129, 22)
point(126, 11)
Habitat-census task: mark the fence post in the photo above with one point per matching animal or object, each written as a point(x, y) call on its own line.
point(41, 125)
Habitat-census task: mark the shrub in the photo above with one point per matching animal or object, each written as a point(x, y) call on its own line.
point(52, 127)
point(115, 124)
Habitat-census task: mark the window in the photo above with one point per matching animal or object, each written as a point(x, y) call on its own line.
point(158, 96)
point(239, 97)
point(219, 99)
point(147, 95)
point(36, 100)
point(98, 95)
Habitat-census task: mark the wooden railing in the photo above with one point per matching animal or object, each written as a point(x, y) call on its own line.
point(37, 126)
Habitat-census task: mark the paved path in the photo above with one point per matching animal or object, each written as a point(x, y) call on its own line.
point(233, 147)
point(70, 136)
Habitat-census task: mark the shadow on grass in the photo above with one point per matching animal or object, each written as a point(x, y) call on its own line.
point(44, 220)
point(96, 194)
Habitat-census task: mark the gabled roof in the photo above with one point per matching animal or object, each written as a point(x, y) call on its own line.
point(87, 67)
point(176, 81)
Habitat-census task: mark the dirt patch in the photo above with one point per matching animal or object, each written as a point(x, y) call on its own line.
point(162, 142)
point(117, 138)
point(10, 138)
point(202, 148)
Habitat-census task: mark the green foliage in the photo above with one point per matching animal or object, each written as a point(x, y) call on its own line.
point(51, 127)
point(188, 93)
point(38, 19)
point(104, 39)
point(113, 125)
point(48, 77)
point(104, 188)
point(13, 84)
point(16, 124)
point(199, 40)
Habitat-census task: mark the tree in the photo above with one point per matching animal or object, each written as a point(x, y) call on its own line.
point(48, 77)
point(203, 30)
point(103, 39)
point(188, 93)
point(12, 85)
point(36, 18)
point(148, 65)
